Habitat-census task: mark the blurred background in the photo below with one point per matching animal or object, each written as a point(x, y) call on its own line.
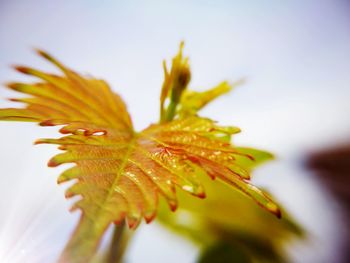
point(294, 55)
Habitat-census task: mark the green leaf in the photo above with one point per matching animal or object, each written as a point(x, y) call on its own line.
point(224, 253)
point(193, 101)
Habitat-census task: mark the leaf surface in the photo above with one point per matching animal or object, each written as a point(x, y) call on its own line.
point(193, 101)
point(120, 173)
point(226, 222)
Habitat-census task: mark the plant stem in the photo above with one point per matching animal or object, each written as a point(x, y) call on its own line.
point(170, 112)
point(118, 244)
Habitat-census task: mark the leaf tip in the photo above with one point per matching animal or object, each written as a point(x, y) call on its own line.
point(47, 123)
point(11, 85)
point(14, 100)
point(118, 221)
point(202, 195)
point(150, 216)
point(273, 208)
point(42, 53)
point(22, 69)
point(173, 205)
point(133, 222)
point(38, 141)
point(73, 208)
point(61, 179)
point(69, 193)
point(52, 163)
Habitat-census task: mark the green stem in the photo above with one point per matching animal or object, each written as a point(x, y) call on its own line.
point(170, 112)
point(82, 246)
point(118, 244)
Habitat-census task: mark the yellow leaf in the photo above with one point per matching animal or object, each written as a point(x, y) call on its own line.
point(120, 173)
point(193, 101)
point(227, 217)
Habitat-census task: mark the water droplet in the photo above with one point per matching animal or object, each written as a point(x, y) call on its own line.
point(98, 133)
point(188, 188)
